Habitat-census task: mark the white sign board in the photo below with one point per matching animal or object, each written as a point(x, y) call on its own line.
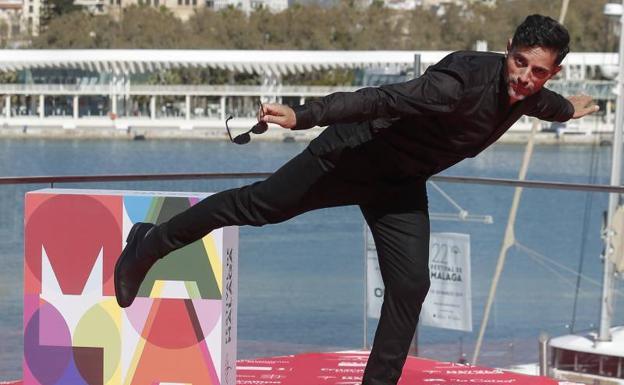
point(449, 302)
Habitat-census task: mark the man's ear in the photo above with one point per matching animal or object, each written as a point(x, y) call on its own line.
point(555, 71)
point(509, 45)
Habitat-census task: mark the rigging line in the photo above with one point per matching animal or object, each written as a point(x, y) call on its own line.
point(446, 196)
point(551, 269)
point(563, 267)
point(589, 200)
point(586, 278)
point(596, 283)
point(547, 267)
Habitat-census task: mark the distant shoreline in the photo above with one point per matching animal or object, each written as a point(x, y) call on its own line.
point(273, 135)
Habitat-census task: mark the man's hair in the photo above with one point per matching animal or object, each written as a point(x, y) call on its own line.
point(545, 32)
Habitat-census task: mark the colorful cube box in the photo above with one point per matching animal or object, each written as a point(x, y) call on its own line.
point(181, 329)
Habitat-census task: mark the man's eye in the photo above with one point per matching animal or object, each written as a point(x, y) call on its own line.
point(519, 62)
point(540, 73)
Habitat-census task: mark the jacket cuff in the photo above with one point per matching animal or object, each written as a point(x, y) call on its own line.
point(303, 116)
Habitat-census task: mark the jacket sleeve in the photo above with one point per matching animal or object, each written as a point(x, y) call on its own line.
point(437, 91)
point(552, 107)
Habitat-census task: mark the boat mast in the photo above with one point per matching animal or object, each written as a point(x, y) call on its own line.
point(606, 308)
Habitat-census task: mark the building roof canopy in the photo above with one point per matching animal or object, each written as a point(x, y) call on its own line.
point(246, 61)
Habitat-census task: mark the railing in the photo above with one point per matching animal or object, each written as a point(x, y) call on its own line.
point(127, 177)
point(254, 175)
point(55, 89)
point(235, 90)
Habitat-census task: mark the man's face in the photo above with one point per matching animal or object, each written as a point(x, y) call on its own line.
point(528, 68)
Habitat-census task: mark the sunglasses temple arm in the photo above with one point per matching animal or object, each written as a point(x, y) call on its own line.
point(228, 128)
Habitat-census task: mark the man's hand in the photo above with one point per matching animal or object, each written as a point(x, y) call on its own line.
point(583, 105)
point(279, 114)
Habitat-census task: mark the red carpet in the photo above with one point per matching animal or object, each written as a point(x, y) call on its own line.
point(347, 369)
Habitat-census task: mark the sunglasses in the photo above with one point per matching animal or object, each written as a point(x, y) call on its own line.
point(244, 138)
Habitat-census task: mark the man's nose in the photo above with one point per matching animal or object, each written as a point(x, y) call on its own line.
point(524, 77)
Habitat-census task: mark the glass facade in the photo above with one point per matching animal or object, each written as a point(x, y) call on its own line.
point(62, 76)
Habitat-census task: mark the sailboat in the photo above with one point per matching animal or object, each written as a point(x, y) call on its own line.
point(587, 359)
point(598, 357)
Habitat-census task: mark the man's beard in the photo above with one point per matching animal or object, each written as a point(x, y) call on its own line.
point(515, 94)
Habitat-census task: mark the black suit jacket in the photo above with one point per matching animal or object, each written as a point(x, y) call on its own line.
point(456, 109)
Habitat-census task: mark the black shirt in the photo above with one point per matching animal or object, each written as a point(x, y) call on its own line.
point(456, 109)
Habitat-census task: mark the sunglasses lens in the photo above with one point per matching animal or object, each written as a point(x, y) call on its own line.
point(260, 128)
point(242, 138)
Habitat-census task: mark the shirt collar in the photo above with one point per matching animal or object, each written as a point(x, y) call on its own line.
point(501, 86)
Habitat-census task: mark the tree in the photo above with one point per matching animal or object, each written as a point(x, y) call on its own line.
point(72, 30)
point(53, 9)
point(148, 27)
point(344, 26)
point(380, 28)
point(204, 27)
point(4, 33)
point(590, 30)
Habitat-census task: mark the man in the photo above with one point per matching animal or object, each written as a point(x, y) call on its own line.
point(378, 151)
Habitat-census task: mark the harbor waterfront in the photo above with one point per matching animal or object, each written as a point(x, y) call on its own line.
point(108, 94)
point(302, 282)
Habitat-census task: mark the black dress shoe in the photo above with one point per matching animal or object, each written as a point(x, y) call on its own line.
point(132, 266)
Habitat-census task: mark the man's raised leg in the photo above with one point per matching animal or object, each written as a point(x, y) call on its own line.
point(305, 183)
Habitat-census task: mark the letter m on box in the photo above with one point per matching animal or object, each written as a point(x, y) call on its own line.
point(181, 329)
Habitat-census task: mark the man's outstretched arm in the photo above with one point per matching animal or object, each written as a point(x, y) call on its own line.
point(437, 91)
point(553, 107)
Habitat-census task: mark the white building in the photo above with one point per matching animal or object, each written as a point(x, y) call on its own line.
point(19, 17)
point(249, 5)
point(93, 6)
point(436, 4)
point(31, 16)
point(184, 9)
point(10, 18)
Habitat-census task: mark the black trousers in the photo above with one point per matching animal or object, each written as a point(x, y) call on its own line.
point(394, 206)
